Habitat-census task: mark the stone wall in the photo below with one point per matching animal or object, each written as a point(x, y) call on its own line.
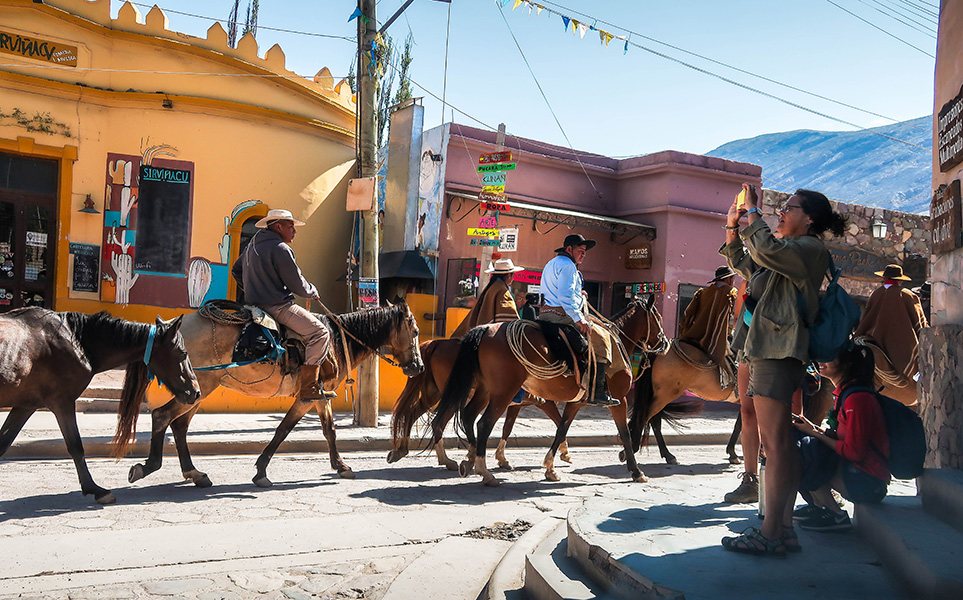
point(941, 359)
point(907, 234)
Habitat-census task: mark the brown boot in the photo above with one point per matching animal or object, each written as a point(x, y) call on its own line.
point(309, 388)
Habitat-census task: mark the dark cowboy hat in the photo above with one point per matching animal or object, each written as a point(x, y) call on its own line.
point(893, 272)
point(723, 272)
point(922, 291)
point(576, 239)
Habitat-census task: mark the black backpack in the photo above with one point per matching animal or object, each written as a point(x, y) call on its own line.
point(907, 440)
point(835, 321)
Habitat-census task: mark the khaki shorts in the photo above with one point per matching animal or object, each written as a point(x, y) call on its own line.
point(775, 378)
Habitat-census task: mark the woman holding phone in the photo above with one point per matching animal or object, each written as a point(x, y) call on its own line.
point(785, 271)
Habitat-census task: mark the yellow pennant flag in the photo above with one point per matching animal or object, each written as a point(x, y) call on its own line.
point(606, 37)
point(517, 2)
point(538, 9)
point(575, 25)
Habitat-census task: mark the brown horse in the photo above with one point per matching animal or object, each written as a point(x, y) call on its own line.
point(893, 384)
point(48, 359)
point(639, 328)
point(490, 374)
point(688, 369)
point(390, 330)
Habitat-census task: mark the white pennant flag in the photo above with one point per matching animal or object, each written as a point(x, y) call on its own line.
point(582, 28)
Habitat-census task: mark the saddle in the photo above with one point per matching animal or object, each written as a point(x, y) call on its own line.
point(572, 349)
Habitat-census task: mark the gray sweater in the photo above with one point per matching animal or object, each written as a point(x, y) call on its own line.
point(267, 272)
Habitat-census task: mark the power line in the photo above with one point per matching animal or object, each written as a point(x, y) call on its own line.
point(924, 28)
point(923, 8)
point(720, 63)
point(917, 11)
point(895, 37)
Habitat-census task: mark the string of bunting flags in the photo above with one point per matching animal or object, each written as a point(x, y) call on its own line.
point(578, 28)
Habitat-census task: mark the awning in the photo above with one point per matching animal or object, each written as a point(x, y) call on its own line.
point(407, 264)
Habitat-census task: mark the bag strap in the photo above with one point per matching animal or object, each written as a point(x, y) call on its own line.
point(876, 394)
point(833, 274)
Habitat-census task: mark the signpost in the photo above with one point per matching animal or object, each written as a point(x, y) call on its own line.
point(945, 218)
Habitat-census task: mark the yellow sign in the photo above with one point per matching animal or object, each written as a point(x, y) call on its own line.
point(479, 232)
point(28, 47)
point(494, 189)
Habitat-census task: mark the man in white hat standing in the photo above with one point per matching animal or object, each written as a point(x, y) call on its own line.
point(565, 304)
point(269, 276)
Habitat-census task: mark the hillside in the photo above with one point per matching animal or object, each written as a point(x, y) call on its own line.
point(858, 167)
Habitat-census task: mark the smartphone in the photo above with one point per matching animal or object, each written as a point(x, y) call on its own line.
point(741, 198)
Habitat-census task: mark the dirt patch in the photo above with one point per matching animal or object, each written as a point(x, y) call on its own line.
point(508, 532)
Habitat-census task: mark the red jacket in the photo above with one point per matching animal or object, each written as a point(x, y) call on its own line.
point(861, 436)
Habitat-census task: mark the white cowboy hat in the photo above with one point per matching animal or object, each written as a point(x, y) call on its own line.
point(502, 266)
point(278, 214)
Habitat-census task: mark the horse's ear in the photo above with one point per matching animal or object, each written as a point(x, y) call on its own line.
point(176, 323)
point(648, 300)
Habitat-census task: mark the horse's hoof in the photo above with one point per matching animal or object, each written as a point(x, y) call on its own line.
point(465, 469)
point(671, 460)
point(396, 455)
point(734, 460)
point(346, 473)
point(107, 498)
point(262, 482)
point(507, 466)
point(450, 465)
point(490, 481)
point(622, 456)
point(552, 476)
point(203, 481)
point(640, 478)
point(136, 473)
point(566, 457)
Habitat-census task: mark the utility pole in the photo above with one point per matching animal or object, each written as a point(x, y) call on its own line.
point(366, 408)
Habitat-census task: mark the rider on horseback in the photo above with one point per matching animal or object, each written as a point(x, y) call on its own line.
point(564, 303)
point(706, 322)
point(269, 276)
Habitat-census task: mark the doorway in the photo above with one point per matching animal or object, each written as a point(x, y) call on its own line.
point(28, 196)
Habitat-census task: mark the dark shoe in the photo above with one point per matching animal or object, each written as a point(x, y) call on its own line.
point(807, 512)
point(309, 388)
point(753, 542)
point(747, 492)
point(827, 521)
point(791, 540)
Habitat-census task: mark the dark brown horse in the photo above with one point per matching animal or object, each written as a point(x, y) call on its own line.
point(47, 359)
point(639, 327)
point(490, 373)
point(389, 330)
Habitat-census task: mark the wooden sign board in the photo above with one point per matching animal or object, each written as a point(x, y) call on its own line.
point(495, 167)
point(497, 207)
point(495, 157)
point(488, 221)
point(857, 264)
point(490, 179)
point(494, 189)
point(484, 242)
point(487, 197)
point(949, 133)
point(945, 218)
point(483, 232)
point(639, 257)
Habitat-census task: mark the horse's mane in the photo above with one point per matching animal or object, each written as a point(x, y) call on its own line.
point(624, 314)
point(104, 330)
point(373, 326)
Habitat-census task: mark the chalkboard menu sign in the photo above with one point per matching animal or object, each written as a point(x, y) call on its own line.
point(946, 219)
point(86, 267)
point(163, 221)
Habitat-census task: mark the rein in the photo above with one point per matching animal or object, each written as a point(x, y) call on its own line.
point(337, 321)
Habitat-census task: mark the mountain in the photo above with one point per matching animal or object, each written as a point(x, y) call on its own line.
point(858, 167)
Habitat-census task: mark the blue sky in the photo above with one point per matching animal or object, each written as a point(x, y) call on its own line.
point(636, 103)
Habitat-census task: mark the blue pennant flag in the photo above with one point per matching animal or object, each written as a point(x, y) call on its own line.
point(626, 48)
point(357, 13)
point(504, 2)
point(566, 21)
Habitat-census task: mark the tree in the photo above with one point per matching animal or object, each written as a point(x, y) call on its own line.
point(250, 22)
point(390, 67)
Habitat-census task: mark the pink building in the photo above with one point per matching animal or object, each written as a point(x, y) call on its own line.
point(657, 218)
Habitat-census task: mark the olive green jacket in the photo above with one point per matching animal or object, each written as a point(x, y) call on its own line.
point(798, 265)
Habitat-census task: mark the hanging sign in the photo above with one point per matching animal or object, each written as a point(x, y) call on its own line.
point(508, 239)
point(495, 167)
point(497, 207)
point(495, 157)
point(945, 218)
point(494, 189)
point(485, 232)
point(368, 292)
point(639, 257)
point(644, 288)
point(488, 221)
point(487, 197)
point(494, 179)
point(484, 242)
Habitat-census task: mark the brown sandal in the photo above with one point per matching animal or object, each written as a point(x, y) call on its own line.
point(751, 541)
point(790, 539)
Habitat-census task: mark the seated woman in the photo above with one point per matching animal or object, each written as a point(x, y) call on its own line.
point(850, 455)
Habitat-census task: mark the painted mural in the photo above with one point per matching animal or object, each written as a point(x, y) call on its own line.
point(431, 187)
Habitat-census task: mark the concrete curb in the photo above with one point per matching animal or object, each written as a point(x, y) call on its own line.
point(507, 576)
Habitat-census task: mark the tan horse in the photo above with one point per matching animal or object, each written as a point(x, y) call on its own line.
point(489, 375)
point(389, 330)
point(639, 326)
point(893, 384)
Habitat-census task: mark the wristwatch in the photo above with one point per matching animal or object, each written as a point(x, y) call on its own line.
point(754, 209)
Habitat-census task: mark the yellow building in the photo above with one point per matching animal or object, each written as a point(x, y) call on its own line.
point(133, 159)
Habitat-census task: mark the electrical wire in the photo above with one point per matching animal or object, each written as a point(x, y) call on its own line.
point(547, 103)
point(718, 62)
point(873, 25)
point(929, 31)
point(919, 11)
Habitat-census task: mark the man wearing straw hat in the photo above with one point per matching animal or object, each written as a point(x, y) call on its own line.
point(269, 276)
point(706, 322)
point(496, 303)
point(564, 303)
point(892, 321)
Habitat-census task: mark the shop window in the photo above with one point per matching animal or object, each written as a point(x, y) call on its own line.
point(23, 174)
point(594, 291)
point(461, 282)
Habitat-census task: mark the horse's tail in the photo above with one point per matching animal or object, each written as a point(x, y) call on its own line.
point(673, 412)
point(135, 386)
point(461, 382)
point(416, 399)
point(644, 396)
